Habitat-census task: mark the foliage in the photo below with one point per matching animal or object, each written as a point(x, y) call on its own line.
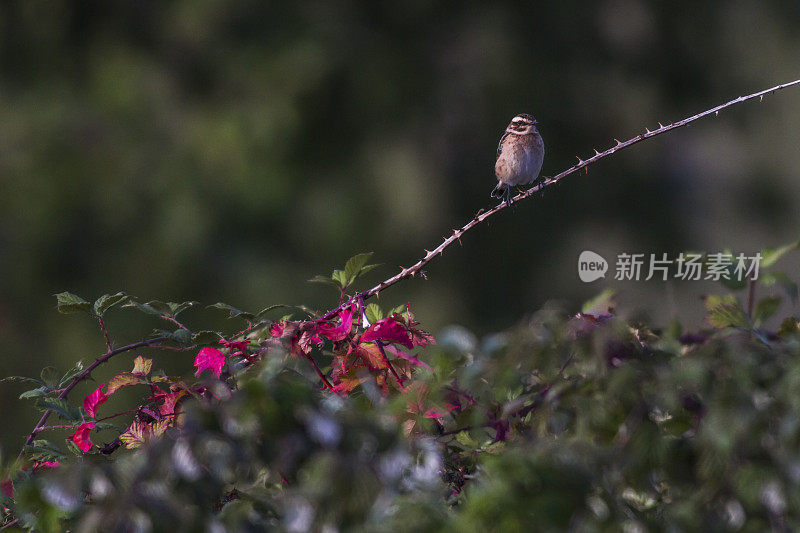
point(581, 421)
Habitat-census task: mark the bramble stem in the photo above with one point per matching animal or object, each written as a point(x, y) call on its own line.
point(482, 215)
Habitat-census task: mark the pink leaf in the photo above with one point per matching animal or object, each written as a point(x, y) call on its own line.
point(81, 437)
point(407, 356)
point(276, 329)
point(45, 464)
point(388, 330)
point(337, 333)
point(240, 346)
point(168, 407)
point(94, 400)
point(209, 359)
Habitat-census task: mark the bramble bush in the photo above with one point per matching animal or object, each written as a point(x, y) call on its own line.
point(356, 419)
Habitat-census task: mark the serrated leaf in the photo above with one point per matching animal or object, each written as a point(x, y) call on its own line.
point(142, 365)
point(725, 311)
point(769, 256)
point(71, 374)
point(182, 336)
point(340, 278)
point(234, 312)
point(61, 407)
point(176, 308)
point(43, 450)
point(400, 310)
point(21, 379)
point(324, 279)
point(107, 301)
point(373, 312)
point(261, 315)
point(35, 393)
point(206, 337)
point(779, 278)
point(766, 307)
point(49, 375)
point(147, 308)
point(355, 264)
point(67, 303)
point(464, 439)
point(123, 379)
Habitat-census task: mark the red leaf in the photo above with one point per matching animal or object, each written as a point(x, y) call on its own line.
point(209, 359)
point(435, 413)
point(391, 350)
point(81, 436)
point(93, 401)
point(301, 343)
point(389, 330)
point(371, 355)
point(167, 408)
point(337, 333)
point(45, 464)
point(240, 346)
point(277, 328)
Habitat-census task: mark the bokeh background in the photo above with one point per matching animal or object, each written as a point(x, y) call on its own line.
point(230, 150)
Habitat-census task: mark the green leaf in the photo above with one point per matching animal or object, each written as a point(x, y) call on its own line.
point(340, 278)
point(107, 301)
point(373, 313)
point(35, 393)
point(71, 374)
point(789, 326)
point(21, 379)
point(67, 303)
point(779, 278)
point(766, 307)
point(261, 315)
point(176, 308)
point(725, 311)
point(206, 338)
point(466, 440)
point(60, 407)
point(769, 256)
point(150, 308)
point(354, 265)
point(233, 312)
point(49, 375)
point(600, 304)
point(325, 279)
point(43, 450)
point(182, 335)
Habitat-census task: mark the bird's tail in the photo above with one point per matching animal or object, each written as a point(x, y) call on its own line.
point(499, 191)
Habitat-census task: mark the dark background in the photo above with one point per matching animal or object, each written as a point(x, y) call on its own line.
point(228, 151)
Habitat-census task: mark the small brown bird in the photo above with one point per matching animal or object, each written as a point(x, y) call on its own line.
point(519, 156)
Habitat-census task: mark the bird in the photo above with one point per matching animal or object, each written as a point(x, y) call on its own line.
point(519, 156)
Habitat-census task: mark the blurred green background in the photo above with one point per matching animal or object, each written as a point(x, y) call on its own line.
point(229, 151)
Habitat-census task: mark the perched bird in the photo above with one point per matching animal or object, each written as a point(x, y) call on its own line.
point(519, 156)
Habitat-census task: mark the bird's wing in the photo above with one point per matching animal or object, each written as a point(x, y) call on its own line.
point(500, 145)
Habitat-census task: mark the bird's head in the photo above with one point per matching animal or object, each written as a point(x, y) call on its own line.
point(523, 124)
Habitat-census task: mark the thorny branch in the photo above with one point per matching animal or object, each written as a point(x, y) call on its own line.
point(82, 376)
point(482, 215)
